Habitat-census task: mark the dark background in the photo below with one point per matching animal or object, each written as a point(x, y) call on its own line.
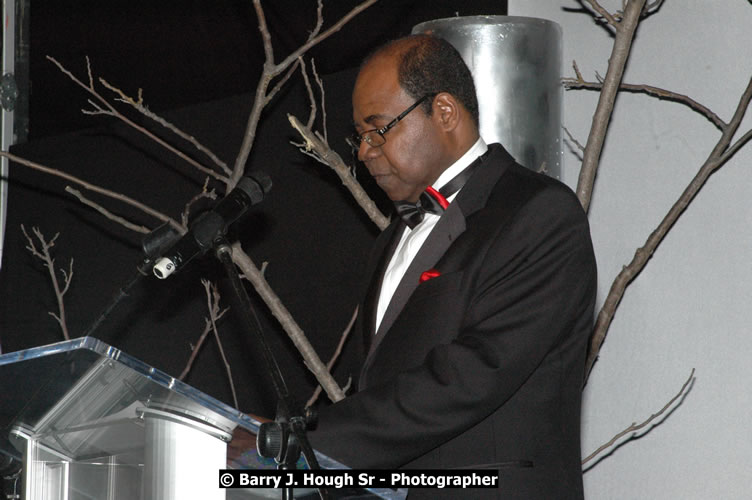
point(198, 63)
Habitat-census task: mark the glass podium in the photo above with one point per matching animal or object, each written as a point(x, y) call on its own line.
point(90, 422)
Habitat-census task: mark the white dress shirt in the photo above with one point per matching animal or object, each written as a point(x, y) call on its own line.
point(412, 239)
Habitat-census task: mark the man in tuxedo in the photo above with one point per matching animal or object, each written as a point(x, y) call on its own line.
point(471, 342)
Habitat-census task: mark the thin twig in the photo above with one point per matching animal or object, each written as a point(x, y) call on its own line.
point(105, 108)
point(606, 15)
point(573, 140)
point(205, 193)
point(635, 426)
point(311, 98)
point(212, 300)
point(281, 82)
point(335, 356)
point(579, 83)
point(197, 348)
point(138, 105)
point(320, 83)
point(91, 187)
point(316, 148)
point(99, 208)
point(43, 253)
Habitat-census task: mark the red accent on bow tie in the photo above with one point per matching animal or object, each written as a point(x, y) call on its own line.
point(431, 273)
point(438, 197)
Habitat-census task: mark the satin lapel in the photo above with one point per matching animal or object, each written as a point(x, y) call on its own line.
point(449, 227)
point(390, 237)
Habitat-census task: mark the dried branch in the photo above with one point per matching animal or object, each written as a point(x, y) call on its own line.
point(323, 153)
point(636, 427)
point(573, 140)
point(210, 324)
point(138, 105)
point(720, 154)
point(600, 12)
point(335, 357)
point(99, 208)
point(91, 187)
point(43, 254)
point(625, 31)
point(272, 70)
point(103, 107)
point(579, 83)
point(311, 98)
point(311, 359)
point(205, 193)
point(212, 300)
point(731, 151)
point(323, 100)
point(195, 349)
point(281, 82)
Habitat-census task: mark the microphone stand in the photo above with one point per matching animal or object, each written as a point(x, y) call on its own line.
point(285, 438)
point(152, 245)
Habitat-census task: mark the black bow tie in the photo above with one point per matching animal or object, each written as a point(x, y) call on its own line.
point(432, 201)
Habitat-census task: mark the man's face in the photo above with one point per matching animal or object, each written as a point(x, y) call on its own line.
point(412, 157)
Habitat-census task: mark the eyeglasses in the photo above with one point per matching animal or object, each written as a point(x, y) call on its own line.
point(375, 137)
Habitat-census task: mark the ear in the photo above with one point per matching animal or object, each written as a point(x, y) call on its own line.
point(447, 111)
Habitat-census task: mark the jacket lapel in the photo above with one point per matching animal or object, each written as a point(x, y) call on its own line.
point(388, 243)
point(450, 226)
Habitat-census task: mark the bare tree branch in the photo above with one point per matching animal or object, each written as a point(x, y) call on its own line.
point(281, 82)
point(717, 158)
point(335, 357)
point(579, 83)
point(635, 426)
point(325, 138)
point(205, 193)
point(138, 105)
point(272, 70)
point(91, 187)
point(603, 13)
point(209, 325)
point(105, 108)
point(43, 254)
point(625, 31)
point(99, 208)
point(329, 157)
point(573, 140)
point(212, 302)
point(311, 98)
point(311, 359)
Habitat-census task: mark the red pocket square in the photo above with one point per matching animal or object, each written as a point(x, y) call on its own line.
point(427, 275)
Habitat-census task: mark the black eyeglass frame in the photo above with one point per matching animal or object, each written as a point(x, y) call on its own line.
point(356, 139)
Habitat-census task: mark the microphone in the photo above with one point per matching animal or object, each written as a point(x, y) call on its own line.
point(213, 224)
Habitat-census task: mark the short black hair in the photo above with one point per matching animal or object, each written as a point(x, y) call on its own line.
point(429, 65)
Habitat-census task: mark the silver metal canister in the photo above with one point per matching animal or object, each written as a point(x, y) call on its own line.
point(516, 65)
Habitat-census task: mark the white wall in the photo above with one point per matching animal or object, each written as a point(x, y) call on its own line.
point(690, 308)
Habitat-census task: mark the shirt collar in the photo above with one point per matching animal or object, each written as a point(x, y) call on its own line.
point(464, 161)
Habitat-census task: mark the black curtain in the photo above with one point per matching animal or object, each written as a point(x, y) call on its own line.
point(197, 63)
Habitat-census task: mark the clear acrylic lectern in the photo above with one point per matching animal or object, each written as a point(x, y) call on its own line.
point(91, 422)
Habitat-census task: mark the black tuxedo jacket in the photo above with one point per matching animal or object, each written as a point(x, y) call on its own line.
point(481, 366)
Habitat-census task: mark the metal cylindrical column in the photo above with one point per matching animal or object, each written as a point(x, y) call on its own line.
point(516, 66)
point(182, 457)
